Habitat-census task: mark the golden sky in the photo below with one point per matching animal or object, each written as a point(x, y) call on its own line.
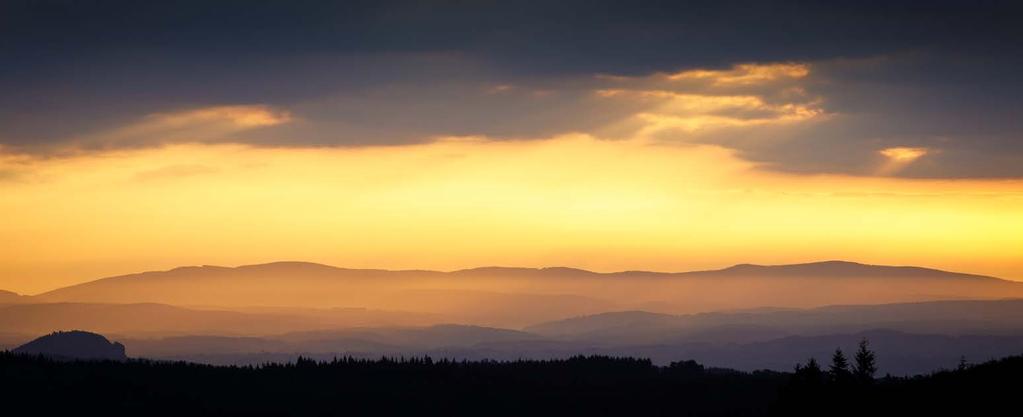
point(648, 191)
point(463, 202)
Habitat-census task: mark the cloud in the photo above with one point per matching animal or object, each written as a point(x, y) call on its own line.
point(781, 116)
point(747, 108)
point(564, 37)
point(903, 154)
point(9, 175)
point(797, 87)
point(15, 168)
point(744, 74)
point(685, 119)
point(898, 158)
point(201, 125)
point(670, 107)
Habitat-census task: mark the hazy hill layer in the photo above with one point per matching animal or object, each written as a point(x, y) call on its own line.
point(944, 317)
point(7, 297)
point(374, 342)
point(898, 352)
point(909, 338)
point(149, 319)
point(521, 296)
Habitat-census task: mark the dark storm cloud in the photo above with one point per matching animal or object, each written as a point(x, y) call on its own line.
point(966, 108)
point(362, 73)
point(532, 36)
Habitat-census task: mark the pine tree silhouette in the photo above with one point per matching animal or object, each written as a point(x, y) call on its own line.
point(963, 364)
point(839, 369)
point(812, 366)
point(866, 363)
point(810, 375)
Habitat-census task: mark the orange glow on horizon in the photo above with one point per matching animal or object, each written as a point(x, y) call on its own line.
point(466, 202)
point(640, 192)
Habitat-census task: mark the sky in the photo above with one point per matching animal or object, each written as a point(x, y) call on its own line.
point(610, 136)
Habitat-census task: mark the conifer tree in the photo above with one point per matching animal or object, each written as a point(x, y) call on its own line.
point(866, 364)
point(812, 367)
point(839, 369)
point(810, 374)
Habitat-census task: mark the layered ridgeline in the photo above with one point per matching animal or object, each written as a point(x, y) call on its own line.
point(745, 317)
point(910, 338)
point(515, 297)
point(907, 351)
point(7, 297)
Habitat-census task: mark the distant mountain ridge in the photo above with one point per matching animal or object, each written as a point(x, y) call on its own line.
point(828, 268)
point(837, 269)
point(515, 297)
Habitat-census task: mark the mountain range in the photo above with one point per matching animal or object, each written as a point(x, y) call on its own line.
point(515, 297)
point(745, 316)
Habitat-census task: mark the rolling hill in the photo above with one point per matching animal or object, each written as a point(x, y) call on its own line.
point(75, 344)
point(513, 297)
point(7, 297)
point(150, 319)
point(945, 317)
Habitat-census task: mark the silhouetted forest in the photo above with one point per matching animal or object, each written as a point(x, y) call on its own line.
point(849, 388)
point(421, 386)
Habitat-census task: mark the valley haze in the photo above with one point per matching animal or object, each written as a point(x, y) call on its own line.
point(745, 316)
point(840, 183)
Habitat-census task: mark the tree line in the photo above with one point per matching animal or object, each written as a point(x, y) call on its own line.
point(840, 372)
point(582, 385)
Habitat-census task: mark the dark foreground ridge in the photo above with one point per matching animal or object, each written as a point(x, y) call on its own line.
point(591, 386)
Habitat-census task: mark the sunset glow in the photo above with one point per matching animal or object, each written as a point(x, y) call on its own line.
point(649, 190)
point(446, 160)
point(456, 208)
point(463, 202)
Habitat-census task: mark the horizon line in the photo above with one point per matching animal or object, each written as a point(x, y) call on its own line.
point(830, 261)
